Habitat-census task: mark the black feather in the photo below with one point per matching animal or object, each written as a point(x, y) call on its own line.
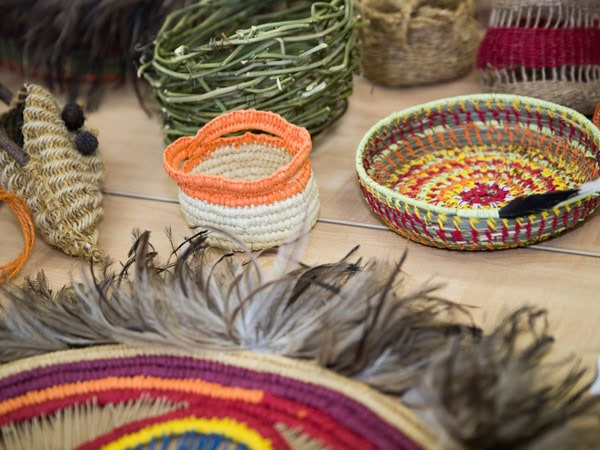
point(534, 203)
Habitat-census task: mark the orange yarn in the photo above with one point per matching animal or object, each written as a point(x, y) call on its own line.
point(19, 207)
point(596, 116)
point(185, 153)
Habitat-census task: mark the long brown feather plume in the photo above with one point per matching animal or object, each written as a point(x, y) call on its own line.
point(501, 392)
point(356, 320)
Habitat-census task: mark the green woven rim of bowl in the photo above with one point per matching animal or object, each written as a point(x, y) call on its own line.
point(293, 58)
point(544, 146)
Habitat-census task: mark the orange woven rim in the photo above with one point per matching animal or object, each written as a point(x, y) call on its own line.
point(596, 116)
point(185, 153)
point(19, 207)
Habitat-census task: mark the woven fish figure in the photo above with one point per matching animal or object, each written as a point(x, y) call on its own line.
point(61, 184)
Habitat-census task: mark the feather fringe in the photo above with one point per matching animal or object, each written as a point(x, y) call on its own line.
point(500, 392)
point(482, 391)
point(349, 318)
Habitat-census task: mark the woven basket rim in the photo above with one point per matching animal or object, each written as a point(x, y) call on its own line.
point(296, 141)
point(389, 410)
point(469, 213)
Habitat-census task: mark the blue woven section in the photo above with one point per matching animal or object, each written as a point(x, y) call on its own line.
point(191, 440)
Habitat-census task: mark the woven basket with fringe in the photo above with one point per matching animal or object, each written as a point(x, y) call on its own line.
point(61, 186)
point(258, 184)
point(438, 173)
point(296, 59)
point(546, 49)
point(409, 42)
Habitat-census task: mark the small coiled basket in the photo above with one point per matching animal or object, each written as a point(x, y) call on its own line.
point(247, 173)
point(438, 173)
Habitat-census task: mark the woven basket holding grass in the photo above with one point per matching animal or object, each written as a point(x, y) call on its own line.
point(443, 173)
point(409, 42)
point(246, 173)
point(294, 58)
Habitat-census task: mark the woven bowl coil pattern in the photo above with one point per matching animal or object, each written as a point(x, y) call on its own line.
point(113, 397)
point(438, 173)
point(412, 42)
point(296, 59)
point(246, 172)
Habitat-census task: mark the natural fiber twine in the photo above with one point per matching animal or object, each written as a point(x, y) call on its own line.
point(546, 49)
point(409, 42)
point(60, 185)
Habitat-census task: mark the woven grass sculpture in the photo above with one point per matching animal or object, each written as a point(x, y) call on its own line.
point(296, 59)
point(61, 184)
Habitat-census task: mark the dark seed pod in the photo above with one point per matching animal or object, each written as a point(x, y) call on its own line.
point(86, 142)
point(72, 116)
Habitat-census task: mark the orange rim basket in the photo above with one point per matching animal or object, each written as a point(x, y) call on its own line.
point(438, 173)
point(246, 173)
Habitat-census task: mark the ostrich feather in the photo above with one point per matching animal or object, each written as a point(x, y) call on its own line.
point(358, 320)
point(500, 392)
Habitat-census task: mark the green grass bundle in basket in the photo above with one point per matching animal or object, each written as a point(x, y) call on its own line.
point(294, 58)
point(454, 173)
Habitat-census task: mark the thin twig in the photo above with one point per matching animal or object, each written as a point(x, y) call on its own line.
point(13, 150)
point(6, 95)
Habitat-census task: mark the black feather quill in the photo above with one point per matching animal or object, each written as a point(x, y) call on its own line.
point(534, 203)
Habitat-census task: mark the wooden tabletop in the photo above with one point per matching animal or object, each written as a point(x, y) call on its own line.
point(562, 274)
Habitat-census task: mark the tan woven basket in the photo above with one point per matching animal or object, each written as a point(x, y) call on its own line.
point(409, 42)
point(61, 186)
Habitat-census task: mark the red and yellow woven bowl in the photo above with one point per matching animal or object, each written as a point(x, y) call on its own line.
point(438, 173)
point(248, 173)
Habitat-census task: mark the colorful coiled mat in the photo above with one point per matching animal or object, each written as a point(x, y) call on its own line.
point(115, 397)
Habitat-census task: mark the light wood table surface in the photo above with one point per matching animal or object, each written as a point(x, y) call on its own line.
point(562, 274)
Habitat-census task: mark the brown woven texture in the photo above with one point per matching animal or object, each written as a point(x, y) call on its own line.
point(60, 186)
point(409, 42)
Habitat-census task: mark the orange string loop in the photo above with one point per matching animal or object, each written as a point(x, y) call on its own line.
point(21, 211)
point(596, 116)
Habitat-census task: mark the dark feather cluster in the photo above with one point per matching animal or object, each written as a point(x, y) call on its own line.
point(69, 43)
point(476, 390)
